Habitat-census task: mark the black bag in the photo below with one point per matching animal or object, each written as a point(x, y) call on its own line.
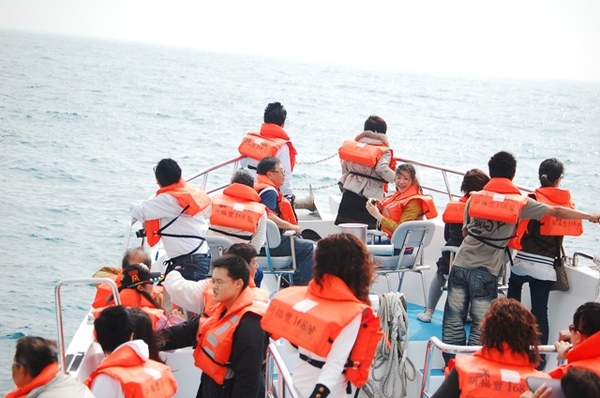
point(562, 282)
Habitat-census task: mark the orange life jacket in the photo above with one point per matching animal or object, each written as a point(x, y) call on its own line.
point(191, 198)
point(211, 306)
point(132, 298)
point(585, 355)
point(455, 211)
point(47, 374)
point(552, 226)
point(215, 336)
point(138, 378)
point(285, 207)
point(489, 374)
point(267, 143)
point(367, 154)
point(237, 207)
point(393, 206)
point(103, 291)
point(500, 200)
point(312, 317)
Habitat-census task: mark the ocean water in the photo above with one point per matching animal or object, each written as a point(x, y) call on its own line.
point(82, 123)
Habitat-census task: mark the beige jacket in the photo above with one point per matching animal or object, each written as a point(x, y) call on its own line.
point(368, 187)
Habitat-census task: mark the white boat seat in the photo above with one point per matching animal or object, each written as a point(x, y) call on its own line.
point(216, 246)
point(278, 266)
point(410, 238)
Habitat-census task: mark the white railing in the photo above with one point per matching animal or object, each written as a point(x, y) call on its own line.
point(204, 174)
point(434, 342)
point(280, 386)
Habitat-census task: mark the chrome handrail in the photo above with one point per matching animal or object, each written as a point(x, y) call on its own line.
point(205, 173)
point(285, 386)
point(434, 342)
point(58, 306)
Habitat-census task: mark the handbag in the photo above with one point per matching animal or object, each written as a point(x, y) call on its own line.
point(562, 282)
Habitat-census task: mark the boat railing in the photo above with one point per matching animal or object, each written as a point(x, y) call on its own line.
point(59, 312)
point(280, 386)
point(435, 342)
point(203, 175)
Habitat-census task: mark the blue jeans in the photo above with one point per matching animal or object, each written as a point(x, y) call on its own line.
point(475, 287)
point(258, 277)
point(193, 267)
point(304, 256)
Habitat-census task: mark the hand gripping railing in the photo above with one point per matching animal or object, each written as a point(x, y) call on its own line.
point(453, 349)
point(283, 386)
point(58, 303)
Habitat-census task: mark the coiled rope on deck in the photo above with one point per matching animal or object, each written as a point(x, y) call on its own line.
point(390, 363)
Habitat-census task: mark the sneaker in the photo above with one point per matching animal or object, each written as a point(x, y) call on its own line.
point(424, 317)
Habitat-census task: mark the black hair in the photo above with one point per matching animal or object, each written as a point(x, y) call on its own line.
point(244, 177)
point(587, 318)
point(580, 383)
point(275, 113)
point(376, 124)
point(503, 164)
point(113, 327)
point(35, 353)
point(244, 250)
point(142, 329)
point(474, 180)
point(550, 171)
point(237, 267)
point(267, 164)
point(167, 172)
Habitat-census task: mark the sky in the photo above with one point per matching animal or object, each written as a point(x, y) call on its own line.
point(548, 39)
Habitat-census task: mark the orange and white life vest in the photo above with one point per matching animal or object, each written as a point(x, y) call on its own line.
point(211, 306)
point(552, 226)
point(267, 143)
point(313, 316)
point(393, 206)
point(285, 207)
point(215, 336)
point(490, 374)
point(138, 378)
point(133, 298)
point(499, 200)
point(191, 198)
point(43, 378)
point(237, 207)
point(454, 213)
point(367, 154)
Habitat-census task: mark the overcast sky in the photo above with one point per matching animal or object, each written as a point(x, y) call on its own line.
point(516, 38)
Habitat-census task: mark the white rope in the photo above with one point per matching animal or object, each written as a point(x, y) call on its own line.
point(390, 363)
point(311, 188)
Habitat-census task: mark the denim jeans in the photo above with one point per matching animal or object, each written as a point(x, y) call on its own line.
point(258, 277)
point(193, 267)
point(475, 287)
point(304, 256)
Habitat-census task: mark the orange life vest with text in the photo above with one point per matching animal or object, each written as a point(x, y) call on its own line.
point(267, 143)
point(491, 374)
point(192, 199)
point(393, 206)
point(499, 200)
point(367, 154)
point(47, 374)
point(285, 207)
point(237, 207)
point(138, 378)
point(454, 213)
point(215, 336)
point(552, 226)
point(312, 317)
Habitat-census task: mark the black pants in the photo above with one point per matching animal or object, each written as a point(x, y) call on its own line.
point(353, 210)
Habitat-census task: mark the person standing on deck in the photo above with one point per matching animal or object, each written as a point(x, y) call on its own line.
point(272, 140)
point(541, 246)
point(491, 217)
point(178, 215)
point(367, 167)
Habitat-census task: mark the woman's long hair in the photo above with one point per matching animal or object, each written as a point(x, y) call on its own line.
point(347, 257)
point(410, 169)
point(142, 329)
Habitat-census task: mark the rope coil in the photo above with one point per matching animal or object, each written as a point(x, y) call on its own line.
point(391, 364)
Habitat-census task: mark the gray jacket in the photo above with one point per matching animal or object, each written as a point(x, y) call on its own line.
point(61, 386)
point(365, 186)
